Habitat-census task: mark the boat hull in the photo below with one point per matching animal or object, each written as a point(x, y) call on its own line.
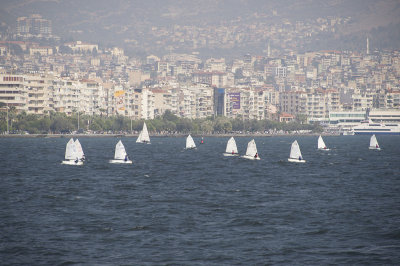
point(296, 160)
point(376, 132)
point(121, 161)
point(250, 157)
point(374, 148)
point(230, 154)
point(67, 162)
point(324, 149)
point(369, 128)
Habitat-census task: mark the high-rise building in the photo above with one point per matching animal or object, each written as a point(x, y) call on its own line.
point(33, 25)
point(219, 101)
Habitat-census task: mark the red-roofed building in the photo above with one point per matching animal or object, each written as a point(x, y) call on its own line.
point(285, 117)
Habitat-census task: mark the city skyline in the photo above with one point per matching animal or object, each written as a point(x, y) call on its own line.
point(41, 72)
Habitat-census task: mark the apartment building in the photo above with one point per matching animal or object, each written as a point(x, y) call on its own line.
point(319, 103)
point(163, 100)
point(80, 46)
point(38, 92)
point(203, 100)
point(34, 25)
point(186, 103)
point(362, 100)
point(293, 102)
point(142, 104)
point(65, 95)
point(13, 92)
point(41, 50)
point(92, 97)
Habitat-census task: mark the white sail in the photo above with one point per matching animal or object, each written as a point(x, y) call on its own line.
point(295, 152)
point(79, 150)
point(70, 150)
point(231, 146)
point(373, 143)
point(190, 143)
point(251, 148)
point(251, 152)
point(144, 135)
point(321, 144)
point(120, 152)
point(139, 139)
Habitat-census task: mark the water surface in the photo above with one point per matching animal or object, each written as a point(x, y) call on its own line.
point(197, 207)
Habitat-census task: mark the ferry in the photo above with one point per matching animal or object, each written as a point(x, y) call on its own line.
point(369, 128)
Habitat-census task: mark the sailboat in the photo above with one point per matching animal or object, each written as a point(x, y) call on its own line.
point(295, 153)
point(373, 143)
point(251, 152)
point(321, 144)
point(120, 155)
point(190, 143)
point(79, 150)
point(144, 135)
point(71, 154)
point(231, 148)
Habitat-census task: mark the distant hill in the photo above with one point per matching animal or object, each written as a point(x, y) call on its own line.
point(113, 22)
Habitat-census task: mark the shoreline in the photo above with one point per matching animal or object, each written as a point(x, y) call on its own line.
point(177, 135)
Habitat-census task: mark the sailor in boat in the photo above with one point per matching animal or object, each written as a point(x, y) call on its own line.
point(83, 158)
point(77, 160)
point(255, 156)
point(377, 146)
point(300, 158)
point(202, 142)
point(126, 158)
point(233, 152)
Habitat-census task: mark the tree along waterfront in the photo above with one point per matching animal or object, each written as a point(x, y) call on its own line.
point(59, 123)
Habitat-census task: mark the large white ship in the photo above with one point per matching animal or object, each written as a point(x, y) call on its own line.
point(369, 128)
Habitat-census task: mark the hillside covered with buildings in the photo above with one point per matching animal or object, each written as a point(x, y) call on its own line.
point(42, 73)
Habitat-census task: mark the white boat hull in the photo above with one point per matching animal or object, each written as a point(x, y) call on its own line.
point(348, 133)
point(369, 127)
point(191, 148)
point(70, 162)
point(324, 149)
point(250, 157)
point(296, 160)
point(374, 148)
point(121, 161)
point(230, 154)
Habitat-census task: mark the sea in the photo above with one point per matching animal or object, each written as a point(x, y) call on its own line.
point(196, 207)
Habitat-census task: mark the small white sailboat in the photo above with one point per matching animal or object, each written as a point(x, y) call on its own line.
point(373, 143)
point(295, 153)
point(79, 150)
point(120, 155)
point(251, 152)
point(231, 148)
point(190, 143)
point(321, 144)
point(143, 135)
point(71, 154)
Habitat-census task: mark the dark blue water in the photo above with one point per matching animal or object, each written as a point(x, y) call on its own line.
point(197, 207)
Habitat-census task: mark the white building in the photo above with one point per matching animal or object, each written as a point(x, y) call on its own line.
point(13, 92)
